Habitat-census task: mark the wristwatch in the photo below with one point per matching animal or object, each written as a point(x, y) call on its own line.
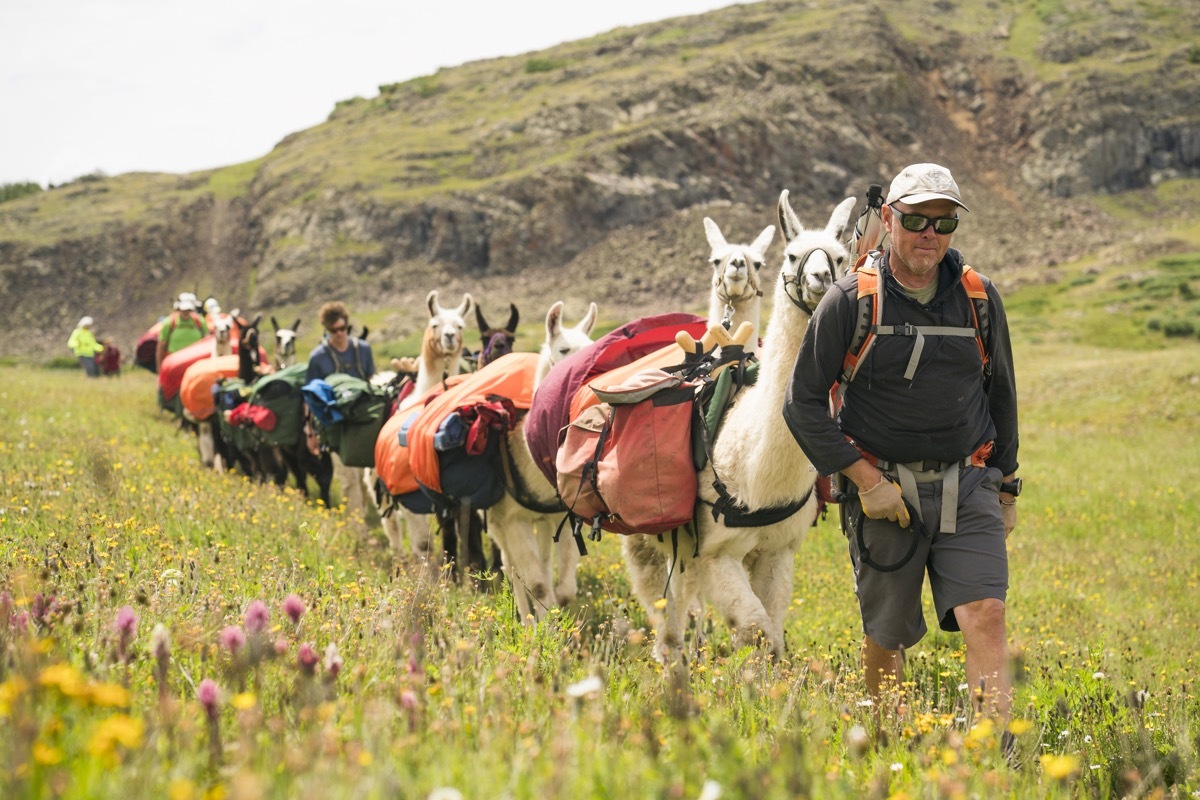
point(1012, 487)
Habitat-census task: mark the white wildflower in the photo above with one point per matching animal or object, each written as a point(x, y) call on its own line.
point(585, 687)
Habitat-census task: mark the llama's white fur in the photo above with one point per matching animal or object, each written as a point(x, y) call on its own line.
point(747, 572)
point(285, 344)
point(441, 357)
point(442, 344)
point(222, 331)
point(526, 537)
point(736, 292)
point(737, 279)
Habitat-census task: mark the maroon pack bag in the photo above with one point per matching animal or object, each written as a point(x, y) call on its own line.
point(550, 411)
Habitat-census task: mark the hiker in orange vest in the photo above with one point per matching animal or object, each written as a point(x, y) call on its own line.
point(925, 440)
point(183, 327)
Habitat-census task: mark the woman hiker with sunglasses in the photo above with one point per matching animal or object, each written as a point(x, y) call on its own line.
point(339, 351)
point(925, 440)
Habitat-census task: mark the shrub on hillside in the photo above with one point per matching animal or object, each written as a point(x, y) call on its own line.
point(11, 191)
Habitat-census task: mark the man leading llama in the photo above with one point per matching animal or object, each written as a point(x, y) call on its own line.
point(928, 430)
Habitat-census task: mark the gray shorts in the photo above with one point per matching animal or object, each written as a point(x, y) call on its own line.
point(967, 565)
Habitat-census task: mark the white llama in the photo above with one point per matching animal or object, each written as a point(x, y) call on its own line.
point(746, 572)
point(524, 528)
point(222, 330)
point(441, 357)
point(285, 344)
point(735, 298)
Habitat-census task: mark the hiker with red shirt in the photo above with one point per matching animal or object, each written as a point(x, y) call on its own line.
point(925, 440)
point(183, 327)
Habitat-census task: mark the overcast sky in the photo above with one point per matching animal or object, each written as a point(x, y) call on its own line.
point(181, 85)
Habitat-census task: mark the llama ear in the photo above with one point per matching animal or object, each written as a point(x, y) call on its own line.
point(513, 319)
point(274, 324)
point(257, 320)
point(589, 319)
point(789, 223)
point(465, 306)
point(764, 240)
point(296, 326)
point(840, 219)
point(554, 321)
point(431, 302)
point(716, 240)
point(480, 321)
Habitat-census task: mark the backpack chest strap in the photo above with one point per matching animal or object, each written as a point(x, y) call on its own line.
point(919, 332)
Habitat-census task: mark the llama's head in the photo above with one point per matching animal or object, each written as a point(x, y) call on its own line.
point(813, 259)
point(444, 334)
point(496, 341)
point(248, 355)
point(285, 343)
point(562, 342)
point(222, 325)
point(736, 267)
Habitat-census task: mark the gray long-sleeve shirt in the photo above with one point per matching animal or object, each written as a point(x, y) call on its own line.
point(945, 412)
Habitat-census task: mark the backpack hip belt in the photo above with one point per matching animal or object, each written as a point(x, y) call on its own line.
point(911, 473)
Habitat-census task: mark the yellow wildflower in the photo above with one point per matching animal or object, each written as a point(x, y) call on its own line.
point(118, 730)
point(10, 690)
point(46, 755)
point(181, 789)
point(1060, 768)
point(109, 695)
point(65, 678)
point(1019, 726)
point(244, 701)
point(980, 734)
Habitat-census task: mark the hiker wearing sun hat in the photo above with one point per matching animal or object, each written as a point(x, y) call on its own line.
point(83, 344)
point(924, 442)
point(183, 327)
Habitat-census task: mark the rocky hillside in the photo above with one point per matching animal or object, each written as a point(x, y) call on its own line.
point(583, 171)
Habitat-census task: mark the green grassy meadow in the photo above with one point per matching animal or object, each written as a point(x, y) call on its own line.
point(130, 577)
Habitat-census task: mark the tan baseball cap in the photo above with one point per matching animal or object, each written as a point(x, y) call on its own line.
point(920, 183)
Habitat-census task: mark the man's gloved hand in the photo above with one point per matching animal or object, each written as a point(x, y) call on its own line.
point(1008, 511)
point(883, 501)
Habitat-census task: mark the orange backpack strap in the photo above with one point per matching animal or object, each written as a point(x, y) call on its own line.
point(977, 294)
point(868, 317)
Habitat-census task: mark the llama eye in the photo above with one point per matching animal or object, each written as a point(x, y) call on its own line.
point(562, 351)
point(716, 262)
point(791, 258)
point(758, 265)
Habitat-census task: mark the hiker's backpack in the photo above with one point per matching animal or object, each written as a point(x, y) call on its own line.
point(870, 312)
point(279, 393)
point(348, 413)
point(626, 464)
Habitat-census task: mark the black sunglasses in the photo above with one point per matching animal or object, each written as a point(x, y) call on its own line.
point(338, 329)
point(917, 223)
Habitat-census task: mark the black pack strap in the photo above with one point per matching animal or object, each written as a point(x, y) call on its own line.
point(738, 516)
point(576, 531)
point(516, 486)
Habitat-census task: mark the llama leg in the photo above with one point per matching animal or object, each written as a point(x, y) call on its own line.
point(395, 534)
point(647, 567)
point(727, 586)
point(524, 566)
point(771, 577)
point(420, 539)
point(204, 436)
point(566, 557)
